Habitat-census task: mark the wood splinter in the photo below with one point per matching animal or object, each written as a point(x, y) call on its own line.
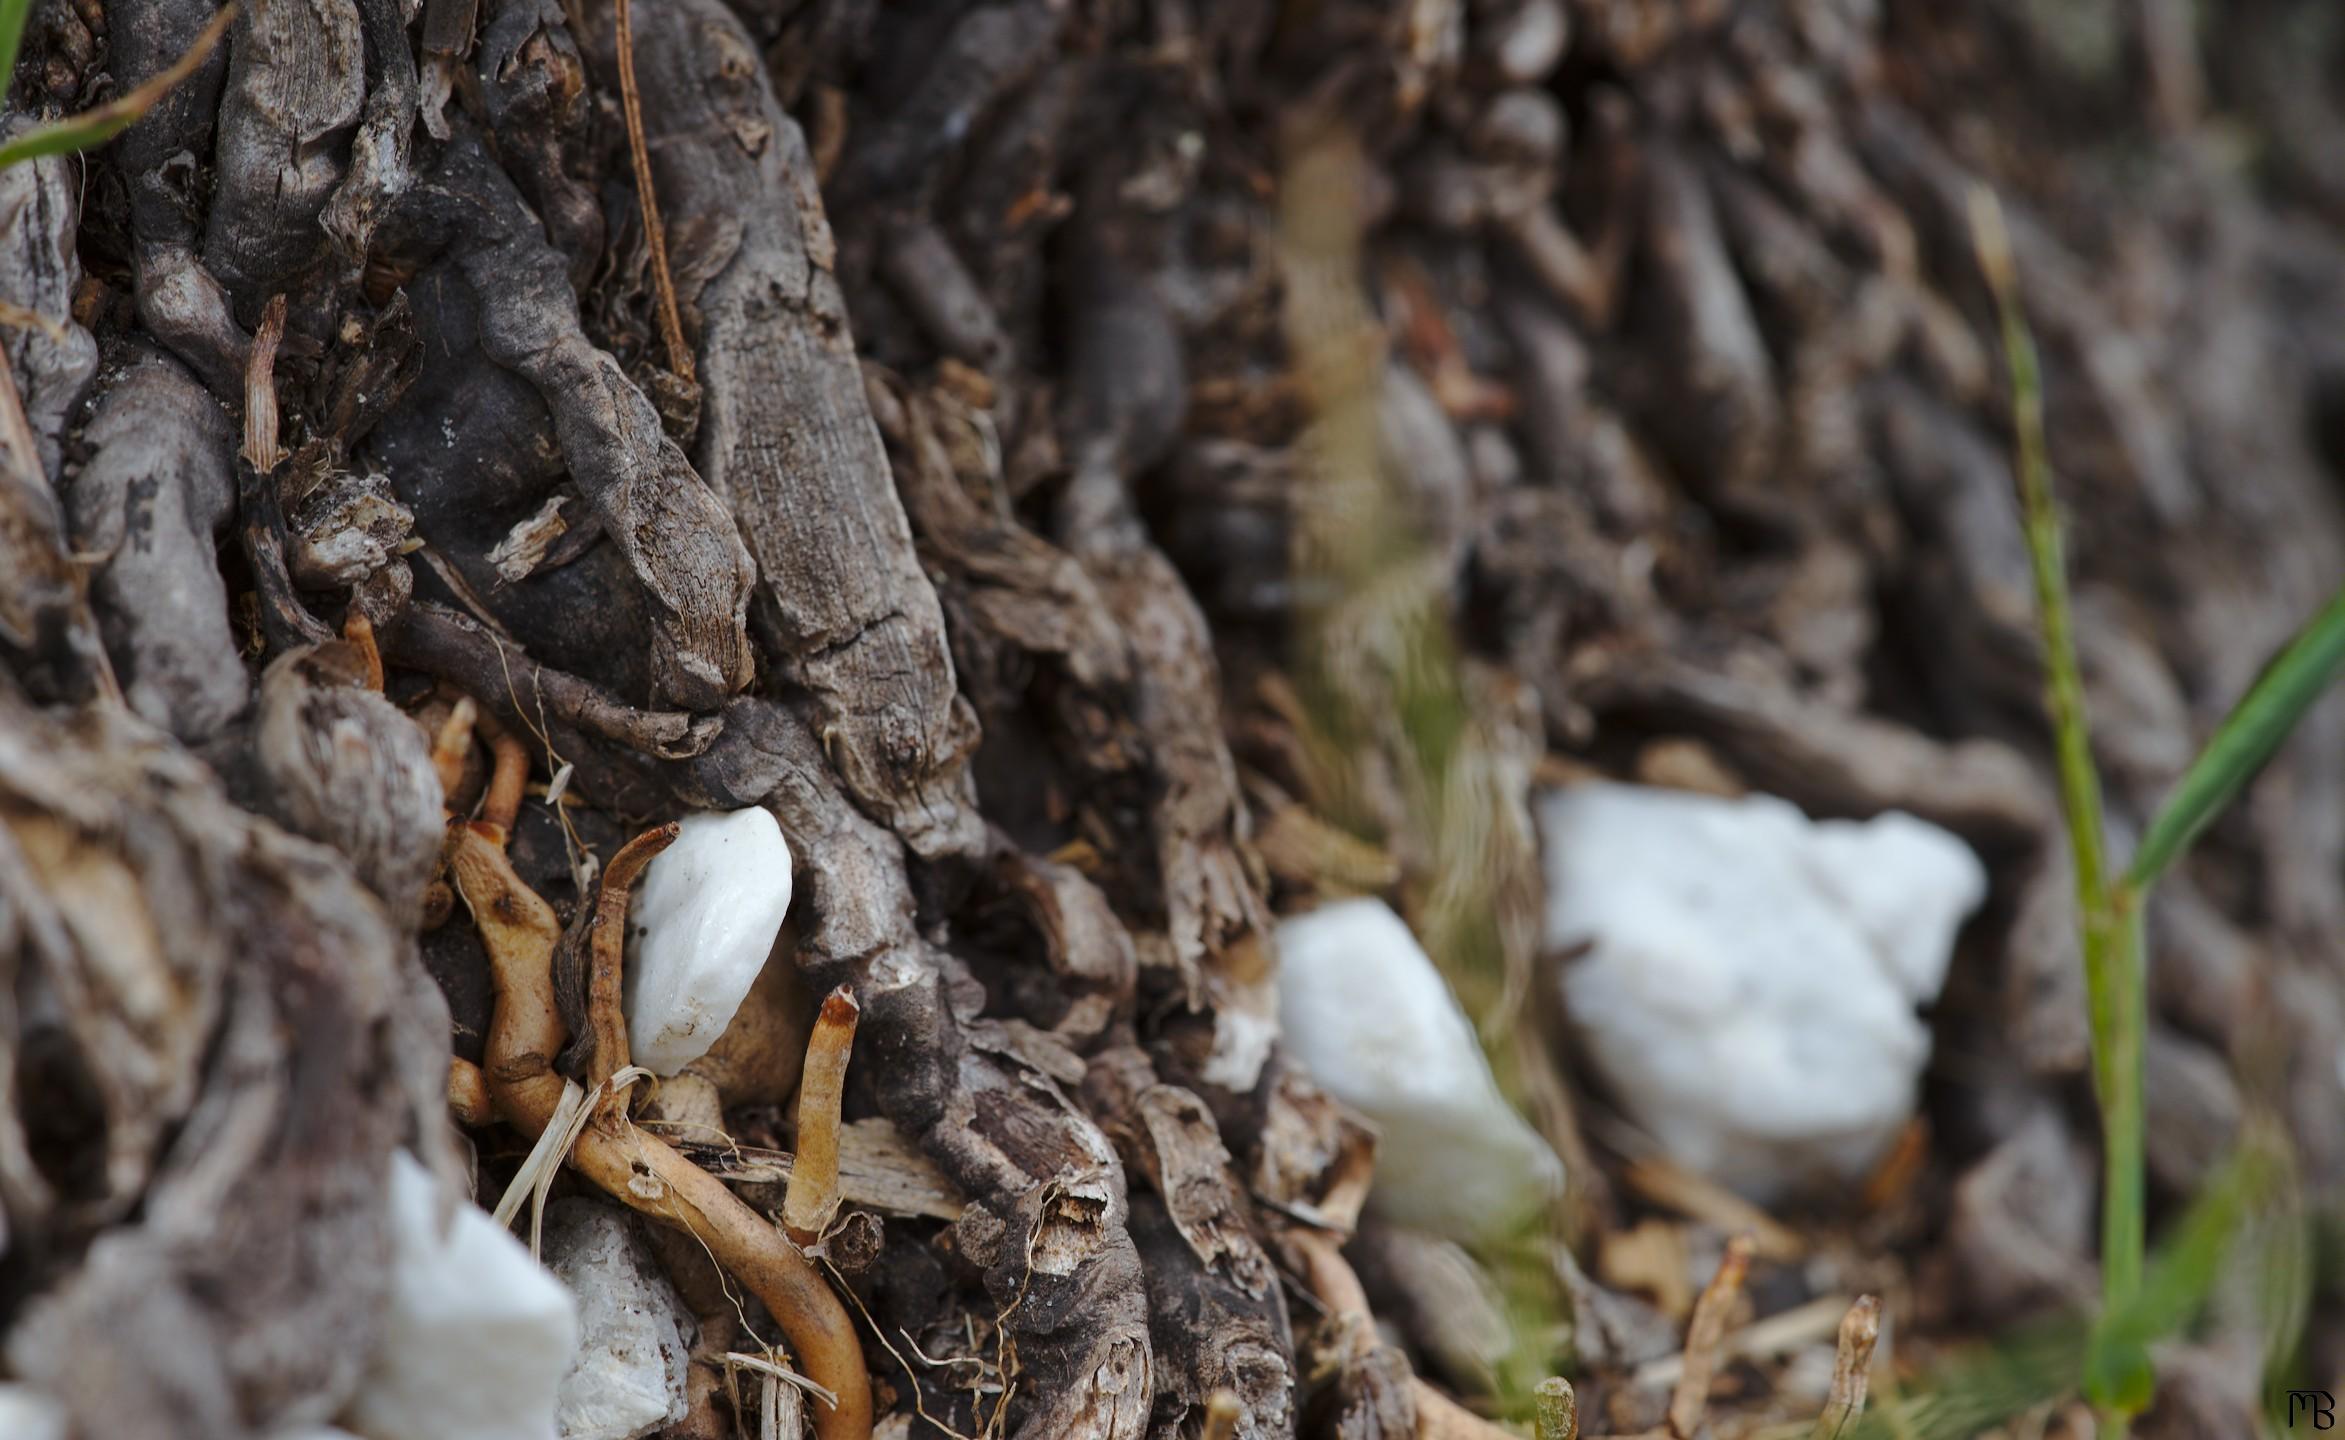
point(1691, 1398)
point(520, 931)
point(1852, 1368)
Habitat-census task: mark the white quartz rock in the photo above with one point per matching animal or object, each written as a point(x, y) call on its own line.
point(28, 1414)
point(1750, 978)
point(476, 1335)
point(701, 928)
point(1370, 1017)
point(628, 1379)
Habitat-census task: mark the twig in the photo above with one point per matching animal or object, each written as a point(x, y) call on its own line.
point(285, 620)
point(784, 1373)
point(261, 450)
point(1711, 1313)
point(473, 659)
point(1778, 1334)
point(1852, 1366)
point(813, 1195)
point(639, 156)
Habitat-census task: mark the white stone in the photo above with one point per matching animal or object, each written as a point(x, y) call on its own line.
point(28, 1414)
point(628, 1378)
point(702, 926)
point(1369, 1016)
point(476, 1335)
point(1750, 979)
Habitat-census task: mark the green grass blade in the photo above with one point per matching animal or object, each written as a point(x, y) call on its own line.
point(2118, 1376)
point(2111, 935)
point(96, 127)
point(2244, 741)
point(13, 15)
point(2046, 1361)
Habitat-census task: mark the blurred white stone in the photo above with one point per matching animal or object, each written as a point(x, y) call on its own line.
point(628, 1379)
point(28, 1414)
point(1369, 1016)
point(701, 927)
point(476, 1335)
point(1751, 977)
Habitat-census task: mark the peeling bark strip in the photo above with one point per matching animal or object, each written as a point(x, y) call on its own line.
point(1046, 1214)
point(678, 541)
point(786, 434)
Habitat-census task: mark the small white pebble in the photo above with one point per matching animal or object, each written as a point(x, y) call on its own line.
point(1370, 1017)
point(700, 931)
point(1747, 979)
point(628, 1379)
point(28, 1414)
point(476, 1334)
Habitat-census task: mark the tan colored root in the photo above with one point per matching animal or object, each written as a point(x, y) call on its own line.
point(359, 633)
point(519, 931)
point(500, 806)
point(468, 1093)
point(813, 1197)
point(607, 942)
point(451, 746)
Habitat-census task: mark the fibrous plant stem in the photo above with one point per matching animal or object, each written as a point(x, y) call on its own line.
point(2110, 917)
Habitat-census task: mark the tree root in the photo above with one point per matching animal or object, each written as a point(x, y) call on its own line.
point(519, 931)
